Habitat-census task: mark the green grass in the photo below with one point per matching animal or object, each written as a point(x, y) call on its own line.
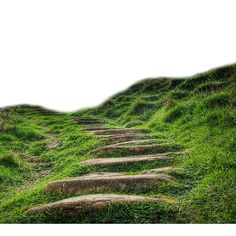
point(195, 118)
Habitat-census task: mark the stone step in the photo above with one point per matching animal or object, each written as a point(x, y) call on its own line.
point(161, 170)
point(144, 172)
point(135, 149)
point(49, 112)
point(134, 141)
point(88, 121)
point(73, 206)
point(122, 137)
point(92, 126)
point(96, 128)
point(125, 160)
point(117, 131)
point(107, 182)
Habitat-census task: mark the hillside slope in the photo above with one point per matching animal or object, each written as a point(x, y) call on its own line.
point(193, 117)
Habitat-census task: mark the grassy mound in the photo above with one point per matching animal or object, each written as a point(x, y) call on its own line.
point(197, 114)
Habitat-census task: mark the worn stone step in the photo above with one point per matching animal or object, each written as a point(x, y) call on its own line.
point(161, 170)
point(113, 138)
point(49, 113)
point(73, 206)
point(107, 182)
point(117, 131)
point(125, 160)
point(134, 142)
point(95, 128)
point(135, 149)
point(88, 121)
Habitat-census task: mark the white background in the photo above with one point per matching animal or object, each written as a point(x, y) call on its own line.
point(118, 230)
point(66, 55)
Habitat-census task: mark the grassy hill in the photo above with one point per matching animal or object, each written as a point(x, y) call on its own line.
point(195, 116)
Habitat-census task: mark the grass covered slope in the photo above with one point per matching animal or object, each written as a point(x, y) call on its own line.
point(198, 114)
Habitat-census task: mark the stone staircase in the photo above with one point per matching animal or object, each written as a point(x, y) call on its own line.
point(126, 147)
